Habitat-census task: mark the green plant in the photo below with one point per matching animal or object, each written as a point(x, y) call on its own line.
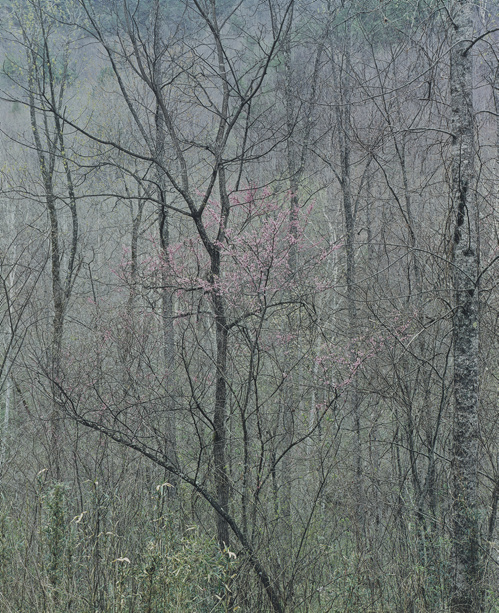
point(187, 573)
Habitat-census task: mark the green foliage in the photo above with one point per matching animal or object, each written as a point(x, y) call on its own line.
point(106, 74)
point(11, 69)
point(55, 535)
point(6, 545)
point(188, 574)
point(58, 543)
point(53, 561)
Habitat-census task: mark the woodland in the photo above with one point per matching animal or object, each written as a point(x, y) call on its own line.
point(249, 354)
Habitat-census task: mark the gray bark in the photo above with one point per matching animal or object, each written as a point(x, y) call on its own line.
point(297, 150)
point(289, 386)
point(343, 102)
point(466, 591)
point(220, 409)
point(46, 100)
point(164, 241)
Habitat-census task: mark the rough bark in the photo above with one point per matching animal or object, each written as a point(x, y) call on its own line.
point(466, 591)
point(220, 409)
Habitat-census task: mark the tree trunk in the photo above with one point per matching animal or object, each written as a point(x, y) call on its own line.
point(220, 412)
point(164, 241)
point(466, 591)
point(342, 82)
point(289, 385)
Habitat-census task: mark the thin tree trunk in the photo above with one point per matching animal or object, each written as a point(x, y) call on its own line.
point(289, 385)
point(46, 98)
point(164, 240)
point(220, 412)
point(9, 383)
point(222, 483)
point(297, 149)
point(343, 117)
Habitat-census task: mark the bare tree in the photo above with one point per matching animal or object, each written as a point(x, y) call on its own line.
point(43, 88)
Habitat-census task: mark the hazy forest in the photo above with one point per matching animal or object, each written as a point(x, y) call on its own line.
point(249, 350)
